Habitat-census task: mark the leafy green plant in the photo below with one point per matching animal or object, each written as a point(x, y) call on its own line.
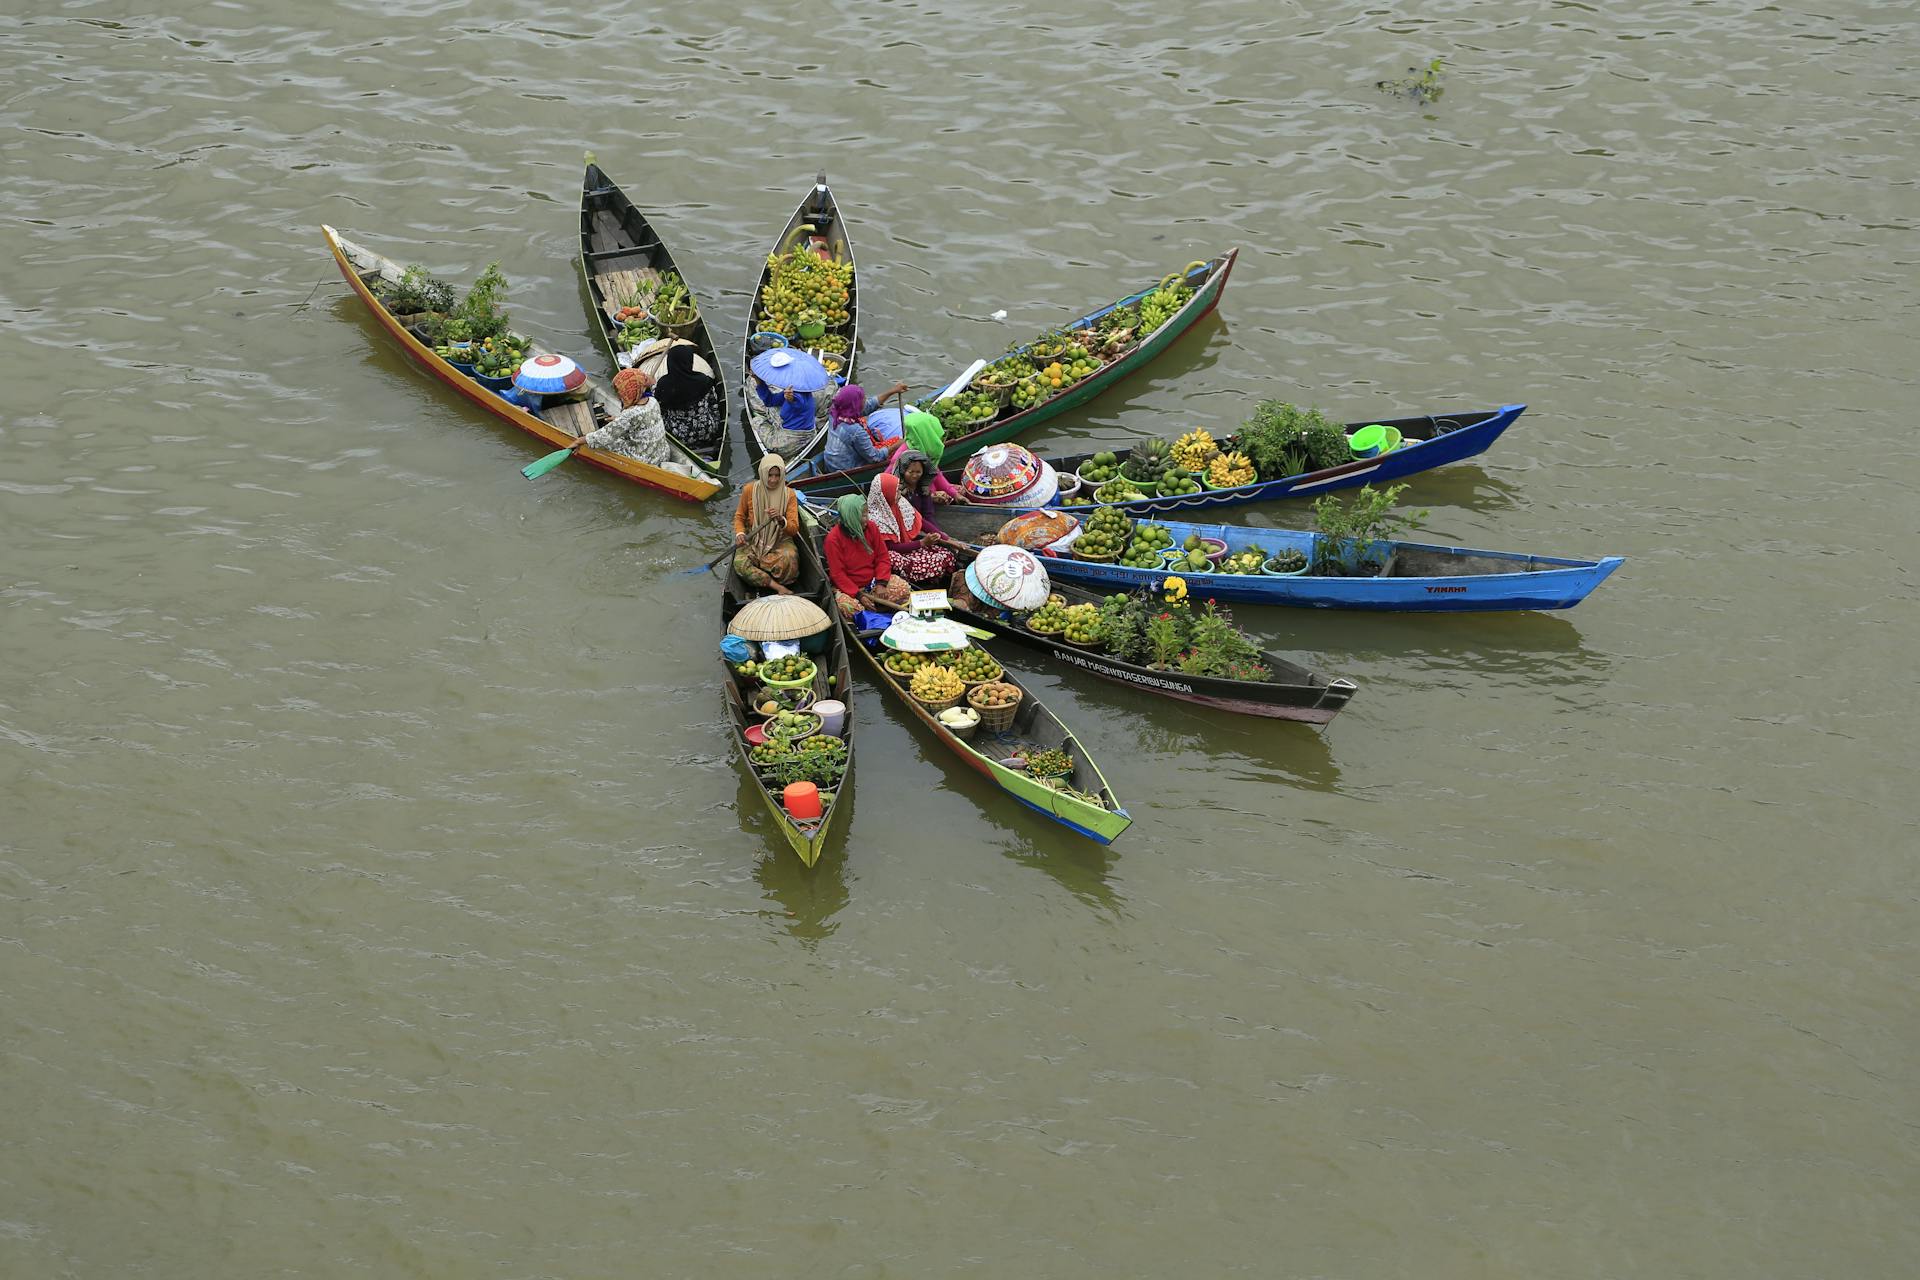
point(673, 301)
point(1286, 440)
point(1351, 530)
point(415, 290)
point(481, 310)
point(1166, 637)
point(1123, 621)
point(821, 768)
point(1216, 647)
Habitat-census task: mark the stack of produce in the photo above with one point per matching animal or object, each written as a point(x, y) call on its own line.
point(1194, 450)
point(1008, 368)
point(935, 688)
point(1158, 307)
point(822, 744)
point(905, 664)
point(1148, 464)
point(1196, 560)
point(996, 703)
point(790, 726)
point(1247, 560)
point(1178, 484)
point(1078, 363)
point(1148, 547)
point(1052, 763)
point(1083, 624)
point(1100, 468)
point(973, 665)
point(787, 669)
point(1030, 392)
point(1047, 348)
point(1050, 619)
point(768, 754)
point(1229, 470)
point(1105, 535)
point(1119, 489)
point(958, 413)
point(803, 285)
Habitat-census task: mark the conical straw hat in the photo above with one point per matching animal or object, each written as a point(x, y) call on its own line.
point(778, 618)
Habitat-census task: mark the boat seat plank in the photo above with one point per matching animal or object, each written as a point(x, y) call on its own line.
point(572, 416)
point(619, 285)
point(607, 229)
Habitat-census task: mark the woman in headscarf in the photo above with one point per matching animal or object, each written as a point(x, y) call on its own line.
point(858, 562)
point(766, 525)
point(922, 486)
point(858, 433)
point(687, 402)
point(637, 433)
point(916, 552)
point(924, 432)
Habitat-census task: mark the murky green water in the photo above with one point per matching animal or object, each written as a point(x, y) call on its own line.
point(378, 896)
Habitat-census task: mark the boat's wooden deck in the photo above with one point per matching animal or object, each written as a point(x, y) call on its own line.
point(620, 265)
point(572, 416)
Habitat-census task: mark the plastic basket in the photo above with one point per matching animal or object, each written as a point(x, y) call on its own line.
point(801, 683)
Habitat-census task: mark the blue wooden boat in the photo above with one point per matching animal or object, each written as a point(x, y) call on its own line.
point(1416, 577)
point(1429, 441)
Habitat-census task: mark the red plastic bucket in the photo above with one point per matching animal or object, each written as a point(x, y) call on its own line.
point(802, 800)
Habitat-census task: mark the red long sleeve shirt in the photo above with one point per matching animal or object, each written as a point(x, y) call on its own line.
point(853, 567)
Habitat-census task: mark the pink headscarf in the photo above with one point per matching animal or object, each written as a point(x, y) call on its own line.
point(849, 402)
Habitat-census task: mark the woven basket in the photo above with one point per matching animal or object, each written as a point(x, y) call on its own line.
point(935, 708)
point(996, 719)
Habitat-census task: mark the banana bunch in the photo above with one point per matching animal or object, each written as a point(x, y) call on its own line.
point(1194, 450)
point(1229, 470)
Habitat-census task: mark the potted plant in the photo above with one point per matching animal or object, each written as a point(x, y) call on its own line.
point(675, 311)
point(416, 292)
point(1218, 648)
point(1355, 536)
point(481, 312)
point(1165, 638)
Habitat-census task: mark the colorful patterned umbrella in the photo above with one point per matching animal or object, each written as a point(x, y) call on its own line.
point(549, 375)
point(1000, 473)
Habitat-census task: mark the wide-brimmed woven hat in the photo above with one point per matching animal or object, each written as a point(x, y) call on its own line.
point(778, 618)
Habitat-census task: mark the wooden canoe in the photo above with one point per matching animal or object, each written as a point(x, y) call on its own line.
point(1207, 278)
point(557, 426)
point(619, 253)
point(1417, 577)
point(1429, 441)
point(1089, 808)
point(1294, 692)
point(833, 679)
point(818, 220)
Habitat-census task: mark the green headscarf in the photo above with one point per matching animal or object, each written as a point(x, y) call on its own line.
point(924, 432)
point(853, 517)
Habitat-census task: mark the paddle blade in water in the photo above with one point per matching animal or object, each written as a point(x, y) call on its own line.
point(534, 470)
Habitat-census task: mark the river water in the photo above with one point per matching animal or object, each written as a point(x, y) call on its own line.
point(379, 897)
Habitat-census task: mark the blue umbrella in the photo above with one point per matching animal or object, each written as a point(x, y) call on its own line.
point(786, 369)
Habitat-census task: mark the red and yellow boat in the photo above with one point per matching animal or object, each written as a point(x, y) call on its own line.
point(557, 425)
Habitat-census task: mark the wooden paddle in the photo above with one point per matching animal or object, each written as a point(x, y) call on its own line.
point(731, 549)
point(534, 470)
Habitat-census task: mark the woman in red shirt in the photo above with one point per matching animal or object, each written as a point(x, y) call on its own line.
point(859, 564)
